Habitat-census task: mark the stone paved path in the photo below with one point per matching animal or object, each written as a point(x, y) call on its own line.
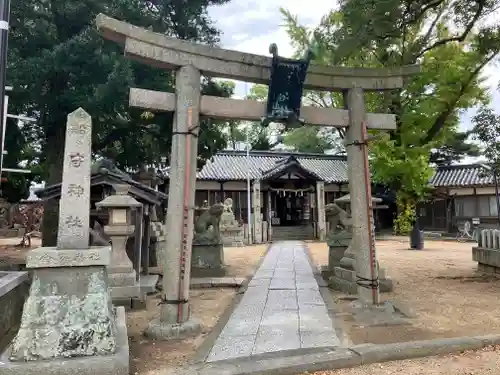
point(282, 309)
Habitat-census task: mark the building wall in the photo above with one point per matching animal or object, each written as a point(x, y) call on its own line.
point(215, 192)
point(455, 206)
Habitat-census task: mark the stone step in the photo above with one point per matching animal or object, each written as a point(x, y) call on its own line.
point(292, 233)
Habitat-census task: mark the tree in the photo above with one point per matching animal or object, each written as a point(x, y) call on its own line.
point(302, 139)
point(306, 139)
point(456, 148)
point(57, 62)
point(487, 131)
point(258, 135)
point(452, 45)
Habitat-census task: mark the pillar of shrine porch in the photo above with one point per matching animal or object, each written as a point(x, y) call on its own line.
point(363, 240)
point(320, 204)
point(257, 212)
point(175, 321)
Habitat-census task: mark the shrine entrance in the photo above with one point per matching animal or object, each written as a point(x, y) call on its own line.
point(291, 195)
point(289, 209)
point(291, 206)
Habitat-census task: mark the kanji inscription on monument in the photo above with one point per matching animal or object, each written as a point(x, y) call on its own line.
point(74, 206)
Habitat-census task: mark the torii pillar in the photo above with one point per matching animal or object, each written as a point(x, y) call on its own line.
point(363, 240)
point(174, 320)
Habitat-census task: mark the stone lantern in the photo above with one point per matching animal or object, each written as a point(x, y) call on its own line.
point(122, 276)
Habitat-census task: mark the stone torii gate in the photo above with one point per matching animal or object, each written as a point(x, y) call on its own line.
point(190, 60)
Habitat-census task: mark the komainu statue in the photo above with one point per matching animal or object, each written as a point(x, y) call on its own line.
point(227, 218)
point(207, 258)
point(207, 227)
point(340, 232)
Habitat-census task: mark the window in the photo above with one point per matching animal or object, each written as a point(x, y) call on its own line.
point(493, 206)
point(486, 206)
point(465, 206)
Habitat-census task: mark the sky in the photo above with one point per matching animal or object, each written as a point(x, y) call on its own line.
point(251, 25)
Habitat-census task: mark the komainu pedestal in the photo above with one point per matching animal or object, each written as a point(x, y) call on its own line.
point(231, 231)
point(207, 257)
point(341, 269)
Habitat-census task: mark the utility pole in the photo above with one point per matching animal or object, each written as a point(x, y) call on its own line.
point(4, 38)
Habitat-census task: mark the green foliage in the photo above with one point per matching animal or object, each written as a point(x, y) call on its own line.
point(306, 139)
point(303, 139)
point(394, 33)
point(487, 131)
point(403, 223)
point(57, 62)
point(456, 148)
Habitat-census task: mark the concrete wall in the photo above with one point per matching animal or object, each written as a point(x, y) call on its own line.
point(14, 288)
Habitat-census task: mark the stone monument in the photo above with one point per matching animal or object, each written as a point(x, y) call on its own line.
point(123, 283)
point(208, 252)
point(231, 231)
point(68, 324)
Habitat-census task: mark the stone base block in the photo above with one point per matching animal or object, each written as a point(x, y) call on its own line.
point(113, 364)
point(148, 283)
point(335, 254)
point(344, 281)
point(344, 286)
point(233, 243)
point(164, 331)
point(488, 260)
point(126, 278)
point(120, 292)
point(382, 315)
point(326, 272)
point(386, 285)
point(208, 272)
point(131, 303)
point(123, 286)
point(233, 238)
point(488, 269)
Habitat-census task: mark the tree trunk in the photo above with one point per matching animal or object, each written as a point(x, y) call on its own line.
point(55, 154)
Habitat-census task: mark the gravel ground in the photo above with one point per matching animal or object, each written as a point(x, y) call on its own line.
point(449, 298)
point(483, 362)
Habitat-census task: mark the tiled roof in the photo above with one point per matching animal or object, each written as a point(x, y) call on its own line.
point(102, 171)
point(289, 164)
point(460, 176)
point(233, 165)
